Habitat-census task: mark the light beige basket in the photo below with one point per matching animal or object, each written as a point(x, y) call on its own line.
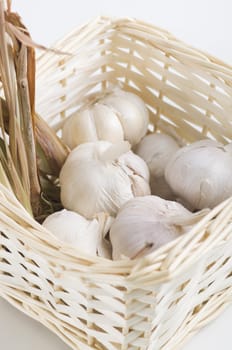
point(158, 301)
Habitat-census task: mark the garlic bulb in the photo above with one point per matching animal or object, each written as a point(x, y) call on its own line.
point(116, 116)
point(156, 149)
point(74, 229)
point(146, 223)
point(100, 177)
point(200, 174)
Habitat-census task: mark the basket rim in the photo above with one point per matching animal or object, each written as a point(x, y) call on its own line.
point(198, 56)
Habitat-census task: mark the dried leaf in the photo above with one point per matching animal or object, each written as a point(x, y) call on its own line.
point(54, 149)
point(27, 41)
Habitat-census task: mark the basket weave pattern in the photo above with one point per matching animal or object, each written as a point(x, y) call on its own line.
point(158, 301)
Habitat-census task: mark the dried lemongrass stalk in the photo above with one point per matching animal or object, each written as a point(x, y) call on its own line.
point(14, 160)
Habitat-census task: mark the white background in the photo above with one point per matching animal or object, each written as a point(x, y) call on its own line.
point(205, 24)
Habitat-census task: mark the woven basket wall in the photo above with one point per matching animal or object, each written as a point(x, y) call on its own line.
point(158, 301)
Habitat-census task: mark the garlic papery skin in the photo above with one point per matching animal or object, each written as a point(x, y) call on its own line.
point(88, 236)
point(95, 179)
point(157, 149)
point(144, 224)
point(74, 229)
point(118, 115)
point(200, 174)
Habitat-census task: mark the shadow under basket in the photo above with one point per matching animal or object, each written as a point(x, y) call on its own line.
point(158, 301)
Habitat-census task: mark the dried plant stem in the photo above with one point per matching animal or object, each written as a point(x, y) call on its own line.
point(8, 84)
point(27, 128)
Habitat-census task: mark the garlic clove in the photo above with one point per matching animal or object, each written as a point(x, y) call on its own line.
point(132, 113)
point(107, 124)
point(79, 128)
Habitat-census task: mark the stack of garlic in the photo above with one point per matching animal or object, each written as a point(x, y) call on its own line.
point(101, 173)
point(105, 187)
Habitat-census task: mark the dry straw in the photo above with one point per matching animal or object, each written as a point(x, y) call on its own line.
point(151, 303)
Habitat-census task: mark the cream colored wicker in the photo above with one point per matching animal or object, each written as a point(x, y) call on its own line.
point(158, 301)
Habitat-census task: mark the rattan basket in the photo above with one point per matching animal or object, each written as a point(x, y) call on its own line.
point(151, 303)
